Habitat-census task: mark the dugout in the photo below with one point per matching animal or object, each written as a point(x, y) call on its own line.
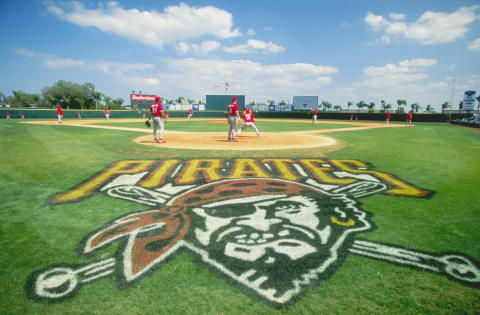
point(220, 102)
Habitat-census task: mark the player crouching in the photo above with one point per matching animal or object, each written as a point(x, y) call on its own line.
point(156, 114)
point(249, 121)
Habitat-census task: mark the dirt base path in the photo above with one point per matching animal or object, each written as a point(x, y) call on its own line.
point(217, 140)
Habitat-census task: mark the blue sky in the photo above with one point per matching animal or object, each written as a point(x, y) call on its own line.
point(339, 50)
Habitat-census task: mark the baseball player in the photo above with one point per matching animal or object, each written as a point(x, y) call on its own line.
point(387, 120)
point(190, 113)
point(22, 116)
point(249, 121)
point(79, 115)
point(166, 114)
point(107, 113)
point(408, 123)
point(233, 117)
point(59, 114)
point(156, 113)
point(8, 115)
point(314, 117)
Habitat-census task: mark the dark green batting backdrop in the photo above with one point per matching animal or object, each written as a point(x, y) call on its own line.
point(220, 102)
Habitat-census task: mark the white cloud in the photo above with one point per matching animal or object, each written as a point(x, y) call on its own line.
point(475, 45)
point(197, 77)
point(254, 46)
point(376, 22)
point(386, 39)
point(204, 48)
point(152, 28)
point(57, 63)
point(403, 67)
point(251, 32)
point(268, 28)
point(397, 16)
point(22, 52)
point(431, 28)
point(119, 68)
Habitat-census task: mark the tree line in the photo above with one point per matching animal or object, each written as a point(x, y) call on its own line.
point(68, 95)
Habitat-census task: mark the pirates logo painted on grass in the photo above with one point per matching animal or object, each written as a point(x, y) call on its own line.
point(273, 227)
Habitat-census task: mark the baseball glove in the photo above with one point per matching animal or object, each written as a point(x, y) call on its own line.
point(147, 123)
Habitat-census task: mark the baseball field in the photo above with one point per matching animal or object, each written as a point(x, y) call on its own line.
point(342, 217)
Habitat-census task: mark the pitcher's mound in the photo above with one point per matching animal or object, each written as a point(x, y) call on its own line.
point(247, 141)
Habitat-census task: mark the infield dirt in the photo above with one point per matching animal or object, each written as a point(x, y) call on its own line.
point(217, 140)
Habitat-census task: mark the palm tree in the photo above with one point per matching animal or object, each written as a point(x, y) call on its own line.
point(445, 106)
point(429, 108)
point(382, 104)
point(270, 102)
point(388, 106)
point(371, 107)
point(180, 99)
point(107, 100)
point(337, 107)
point(401, 103)
point(349, 104)
point(415, 107)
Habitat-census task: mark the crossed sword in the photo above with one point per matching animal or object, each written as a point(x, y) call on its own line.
point(59, 282)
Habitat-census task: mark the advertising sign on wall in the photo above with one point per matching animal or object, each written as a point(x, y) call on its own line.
point(469, 100)
point(305, 102)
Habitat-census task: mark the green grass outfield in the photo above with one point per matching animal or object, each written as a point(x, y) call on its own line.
point(39, 161)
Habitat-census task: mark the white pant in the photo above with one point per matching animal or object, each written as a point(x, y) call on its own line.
point(107, 116)
point(59, 118)
point(247, 125)
point(232, 121)
point(157, 123)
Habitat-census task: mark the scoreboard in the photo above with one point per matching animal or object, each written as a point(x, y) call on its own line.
point(220, 102)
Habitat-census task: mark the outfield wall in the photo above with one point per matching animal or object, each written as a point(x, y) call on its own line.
point(51, 114)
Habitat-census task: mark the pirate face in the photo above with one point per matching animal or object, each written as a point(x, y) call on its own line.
point(263, 227)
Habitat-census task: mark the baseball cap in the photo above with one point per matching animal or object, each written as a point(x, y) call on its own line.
point(234, 98)
point(157, 98)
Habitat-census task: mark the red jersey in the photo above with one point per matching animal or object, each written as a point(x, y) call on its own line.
point(389, 115)
point(190, 111)
point(409, 116)
point(8, 114)
point(248, 117)
point(59, 111)
point(155, 109)
point(232, 110)
point(107, 111)
point(314, 111)
point(166, 113)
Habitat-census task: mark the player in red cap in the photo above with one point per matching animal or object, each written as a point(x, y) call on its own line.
point(314, 116)
point(408, 123)
point(156, 111)
point(59, 114)
point(233, 117)
point(387, 120)
point(107, 113)
point(249, 121)
point(190, 113)
point(8, 115)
